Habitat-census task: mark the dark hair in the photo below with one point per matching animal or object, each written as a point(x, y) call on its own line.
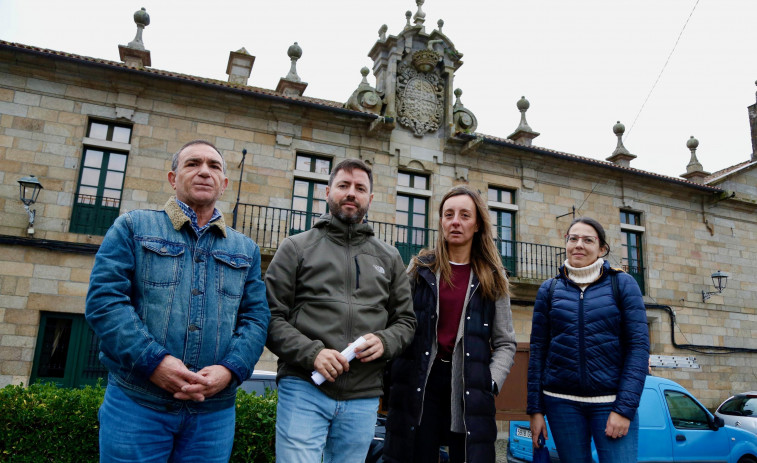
point(348, 165)
point(175, 159)
point(485, 259)
point(597, 227)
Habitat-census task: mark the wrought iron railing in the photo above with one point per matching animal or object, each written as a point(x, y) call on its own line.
point(530, 260)
point(269, 226)
point(93, 214)
point(637, 272)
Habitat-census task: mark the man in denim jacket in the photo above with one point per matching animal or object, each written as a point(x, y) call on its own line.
point(178, 303)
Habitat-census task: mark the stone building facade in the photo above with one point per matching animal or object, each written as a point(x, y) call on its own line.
point(98, 135)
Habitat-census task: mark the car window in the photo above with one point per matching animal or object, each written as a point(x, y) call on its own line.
point(750, 407)
point(733, 406)
point(685, 412)
point(258, 384)
point(740, 406)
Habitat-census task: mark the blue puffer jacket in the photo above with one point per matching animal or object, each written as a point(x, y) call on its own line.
point(583, 344)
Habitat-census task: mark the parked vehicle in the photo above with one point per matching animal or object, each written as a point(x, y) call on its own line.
point(376, 452)
point(259, 381)
point(740, 411)
point(673, 427)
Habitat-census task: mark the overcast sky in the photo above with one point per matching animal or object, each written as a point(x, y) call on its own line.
point(582, 64)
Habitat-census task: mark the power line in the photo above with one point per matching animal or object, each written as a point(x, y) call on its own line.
point(628, 134)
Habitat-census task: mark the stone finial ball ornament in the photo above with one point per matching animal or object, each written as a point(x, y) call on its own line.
point(294, 51)
point(523, 104)
point(141, 17)
point(692, 143)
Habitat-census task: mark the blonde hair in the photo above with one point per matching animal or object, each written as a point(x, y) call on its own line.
point(485, 260)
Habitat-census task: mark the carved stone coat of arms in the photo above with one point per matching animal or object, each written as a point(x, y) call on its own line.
point(421, 100)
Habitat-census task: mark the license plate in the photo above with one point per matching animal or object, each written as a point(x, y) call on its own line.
point(523, 432)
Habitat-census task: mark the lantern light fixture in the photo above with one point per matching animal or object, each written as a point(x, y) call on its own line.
point(720, 281)
point(28, 192)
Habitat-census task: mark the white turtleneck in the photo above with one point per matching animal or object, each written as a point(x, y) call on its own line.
point(585, 276)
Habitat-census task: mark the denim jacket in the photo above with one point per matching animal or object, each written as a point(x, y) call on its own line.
point(158, 289)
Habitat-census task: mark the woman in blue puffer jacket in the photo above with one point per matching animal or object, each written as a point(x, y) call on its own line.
point(589, 353)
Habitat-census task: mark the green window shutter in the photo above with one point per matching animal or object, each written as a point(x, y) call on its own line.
point(67, 351)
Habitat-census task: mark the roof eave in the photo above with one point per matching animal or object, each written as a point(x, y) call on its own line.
point(592, 162)
point(166, 75)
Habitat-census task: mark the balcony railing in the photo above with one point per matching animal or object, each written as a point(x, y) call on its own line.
point(269, 226)
point(93, 214)
point(530, 260)
point(637, 272)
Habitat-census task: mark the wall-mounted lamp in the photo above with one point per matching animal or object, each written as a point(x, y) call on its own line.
point(719, 280)
point(28, 191)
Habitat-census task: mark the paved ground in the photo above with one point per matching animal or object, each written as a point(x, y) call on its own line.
point(501, 446)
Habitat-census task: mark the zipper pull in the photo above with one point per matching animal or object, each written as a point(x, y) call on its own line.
point(582, 295)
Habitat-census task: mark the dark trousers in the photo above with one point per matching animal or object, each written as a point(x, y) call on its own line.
point(434, 430)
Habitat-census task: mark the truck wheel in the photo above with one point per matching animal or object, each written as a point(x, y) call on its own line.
point(747, 459)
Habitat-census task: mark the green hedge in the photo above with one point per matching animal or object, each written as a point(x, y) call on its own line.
point(256, 428)
point(43, 422)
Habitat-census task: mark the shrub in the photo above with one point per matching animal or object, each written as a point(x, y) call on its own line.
point(256, 428)
point(44, 422)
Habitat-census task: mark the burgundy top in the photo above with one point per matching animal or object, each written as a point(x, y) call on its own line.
point(451, 301)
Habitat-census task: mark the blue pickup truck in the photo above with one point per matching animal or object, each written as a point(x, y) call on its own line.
point(673, 427)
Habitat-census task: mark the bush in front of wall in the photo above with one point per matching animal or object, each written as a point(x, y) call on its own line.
point(256, 428)
point(44, 422)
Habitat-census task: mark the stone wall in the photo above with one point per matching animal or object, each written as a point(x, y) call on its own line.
point(34, 280)
point(44, 111)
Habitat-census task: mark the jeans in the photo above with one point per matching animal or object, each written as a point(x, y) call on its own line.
point(309, 424)
point(130, 432)
point(573, 424)
point(434, 429)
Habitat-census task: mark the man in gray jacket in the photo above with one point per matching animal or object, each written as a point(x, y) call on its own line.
point(326, 288)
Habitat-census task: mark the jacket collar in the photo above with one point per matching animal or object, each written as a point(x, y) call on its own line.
point(343, 232)
point(178, 218)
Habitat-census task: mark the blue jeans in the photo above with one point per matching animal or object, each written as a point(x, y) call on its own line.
point(130, 432)
point(310, 424)
point(573, 424)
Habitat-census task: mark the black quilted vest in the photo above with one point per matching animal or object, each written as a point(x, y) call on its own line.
point(408, 376)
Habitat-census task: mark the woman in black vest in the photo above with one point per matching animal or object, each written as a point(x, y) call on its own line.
point(444, 384)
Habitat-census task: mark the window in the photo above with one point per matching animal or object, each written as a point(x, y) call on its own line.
point(631, 239)
point(685, 412)
point(411, 217)
point(412, 180)
point(313, 164)
point(101, 178)
point(67, 351)
point(745, 405)
point(309, 194)
point(502, 215)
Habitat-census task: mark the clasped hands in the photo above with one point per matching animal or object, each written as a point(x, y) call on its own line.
point(173, 376)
